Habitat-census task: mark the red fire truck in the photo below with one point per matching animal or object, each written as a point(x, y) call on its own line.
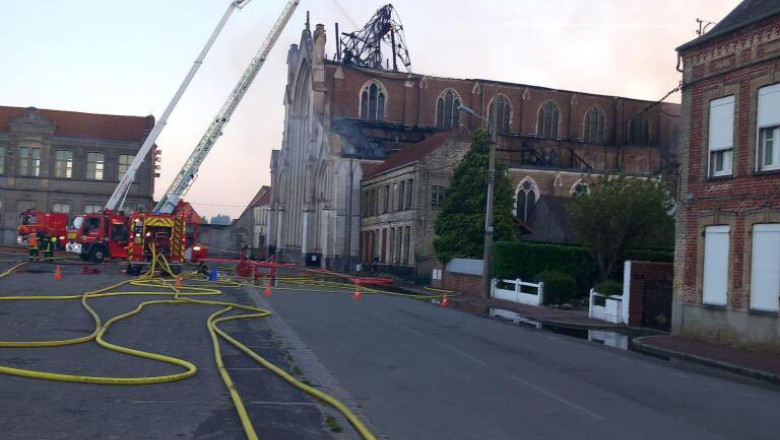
point(44, 224)
point(99, 236)
point(156, 234)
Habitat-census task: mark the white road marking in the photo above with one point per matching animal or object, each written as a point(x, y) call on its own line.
point(465, 355)
point(558, 398)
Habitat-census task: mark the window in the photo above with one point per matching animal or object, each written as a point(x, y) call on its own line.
point(386, 199)
point(765, 269)
point(499, 113)
point(372, 102)
point(638, 131)
point(406, 244)
point(2, 160)
point(716, 258)
point(29, 161)
point(124, 163)
point(769, 128)
point(547, 121)
point(579, 188)
point(95, 162)
point(257, 215)
point(526, 200)
point(553, 158)
point(63, 164)
point(409, 187)
point(594, 126)
point(721, 136)
point(401, 196)
point(437, 196)
point(447, 112)
point(92, 208)
point(61, 207)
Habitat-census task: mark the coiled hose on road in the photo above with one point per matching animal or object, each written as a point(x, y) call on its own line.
point(181, 295)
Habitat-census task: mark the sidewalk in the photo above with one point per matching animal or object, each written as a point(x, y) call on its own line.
point(759, 364)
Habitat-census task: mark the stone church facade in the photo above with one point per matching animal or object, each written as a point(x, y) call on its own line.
point(342, 120)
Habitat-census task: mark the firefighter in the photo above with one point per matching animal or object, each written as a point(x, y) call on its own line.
point(48, 252)
point(32, 246)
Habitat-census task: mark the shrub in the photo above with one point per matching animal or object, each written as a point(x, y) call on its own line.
point(609, 287)
point(559, 287)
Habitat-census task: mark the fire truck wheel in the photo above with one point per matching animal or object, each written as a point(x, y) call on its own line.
point(98, 254)
point(133, 269)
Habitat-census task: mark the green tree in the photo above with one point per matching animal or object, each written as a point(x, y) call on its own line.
point(620, 214)
point(460, 225)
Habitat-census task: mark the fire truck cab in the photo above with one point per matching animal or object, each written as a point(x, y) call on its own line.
point(97, 237)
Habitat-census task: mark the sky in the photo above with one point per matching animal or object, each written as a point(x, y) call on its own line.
point(129, 57)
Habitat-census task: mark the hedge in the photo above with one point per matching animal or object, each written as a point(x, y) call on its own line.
point(524, 260)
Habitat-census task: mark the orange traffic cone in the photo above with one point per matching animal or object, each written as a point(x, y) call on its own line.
point(58, 273)
point(267, 288)
point(356, 295)
point(444, 301)
point(177, 284)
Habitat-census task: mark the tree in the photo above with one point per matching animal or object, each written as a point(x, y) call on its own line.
point(460, 225)
point(621, 214)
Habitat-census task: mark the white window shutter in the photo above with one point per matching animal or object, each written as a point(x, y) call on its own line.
point(765, 268)
point(769, 106)
point(721, 123)
point(716, 265)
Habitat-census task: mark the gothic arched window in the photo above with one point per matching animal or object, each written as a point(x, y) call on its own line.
point(372, 102)
point(499, 113)
point(547, 121)
point(593, 132)
point(447, 111)
point(525, 200)
point(638, 131)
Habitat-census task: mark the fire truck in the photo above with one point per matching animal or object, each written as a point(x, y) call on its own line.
point(44, 224)
point(99, 236)
point(156, 234)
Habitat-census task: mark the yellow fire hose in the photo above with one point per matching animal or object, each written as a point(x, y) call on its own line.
point(184, 295)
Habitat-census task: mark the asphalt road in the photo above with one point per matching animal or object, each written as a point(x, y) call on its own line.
point(196, 408)
point(418, 371)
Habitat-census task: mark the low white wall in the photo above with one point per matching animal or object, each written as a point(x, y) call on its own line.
point(532, 295)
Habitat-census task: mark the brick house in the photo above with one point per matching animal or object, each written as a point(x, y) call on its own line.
point(401, 198)
point(727, 262)
point(71, 162)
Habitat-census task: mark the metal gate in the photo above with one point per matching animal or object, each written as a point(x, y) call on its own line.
point(657, 307)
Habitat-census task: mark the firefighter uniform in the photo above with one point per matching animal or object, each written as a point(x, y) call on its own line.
point(32, 246)
point(48, 252)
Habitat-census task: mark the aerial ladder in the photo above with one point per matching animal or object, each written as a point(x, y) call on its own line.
point(117, 199)
point(189, 171)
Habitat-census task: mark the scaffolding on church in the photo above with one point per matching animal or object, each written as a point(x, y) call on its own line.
point(364, 47)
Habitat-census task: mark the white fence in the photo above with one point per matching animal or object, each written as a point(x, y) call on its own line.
point(512, 290)
point(606, 308)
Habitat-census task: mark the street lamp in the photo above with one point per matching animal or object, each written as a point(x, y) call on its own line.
point(489, 205)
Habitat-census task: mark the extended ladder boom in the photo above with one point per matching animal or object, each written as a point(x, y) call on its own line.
point(118, 197)
point(190, 169)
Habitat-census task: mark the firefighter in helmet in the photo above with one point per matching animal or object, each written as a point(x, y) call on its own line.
point(48, 252)
point(32, 246)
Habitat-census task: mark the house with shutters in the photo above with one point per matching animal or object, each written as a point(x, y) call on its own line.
point(727, 262)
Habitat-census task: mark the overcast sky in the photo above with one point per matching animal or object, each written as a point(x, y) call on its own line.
point(129, 57)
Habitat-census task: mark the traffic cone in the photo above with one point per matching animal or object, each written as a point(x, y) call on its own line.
point(58, 273)
point(177, 284)
point(444, 301)
point(267, 288)
point(356, 295)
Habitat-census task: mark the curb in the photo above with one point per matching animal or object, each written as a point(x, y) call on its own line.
point(744, 371)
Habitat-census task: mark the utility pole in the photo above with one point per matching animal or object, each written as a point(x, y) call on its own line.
point(488, 248)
